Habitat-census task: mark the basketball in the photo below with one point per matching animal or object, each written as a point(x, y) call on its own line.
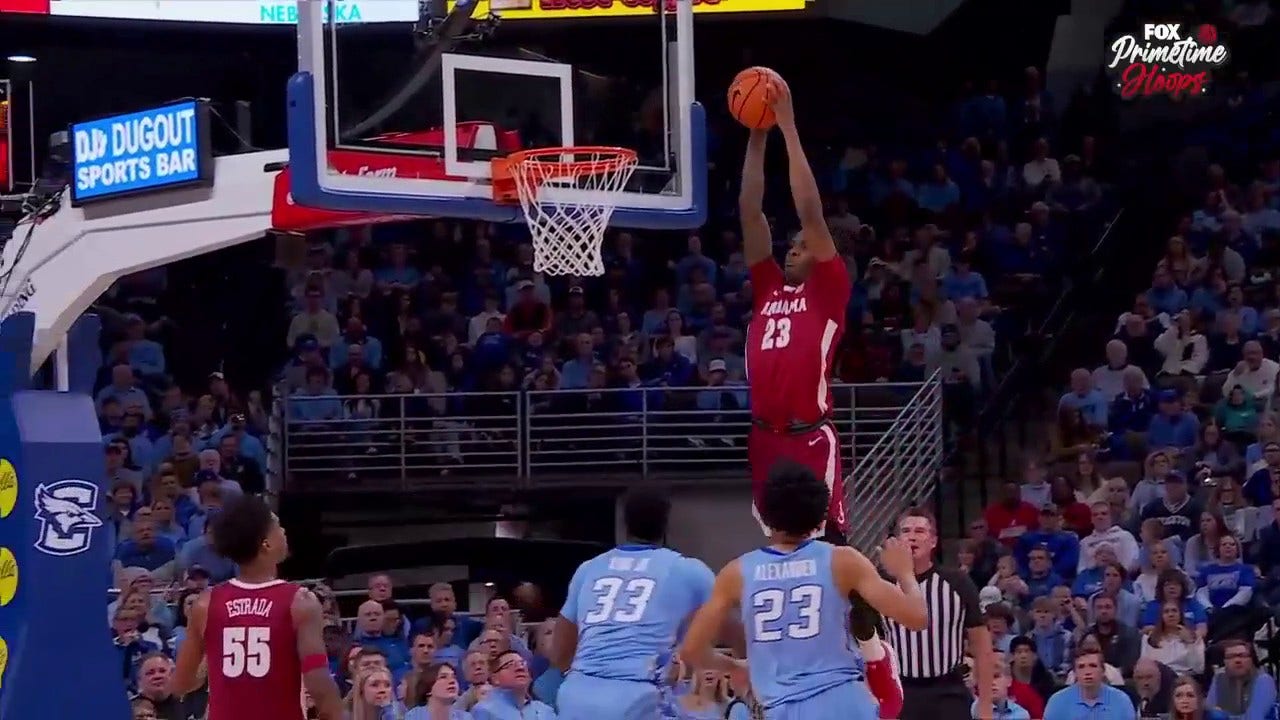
point(750, 97)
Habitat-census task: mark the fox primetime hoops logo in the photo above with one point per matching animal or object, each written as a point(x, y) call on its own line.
point(1170, 59)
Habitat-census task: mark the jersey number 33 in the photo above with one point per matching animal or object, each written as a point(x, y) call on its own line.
point(618, 600)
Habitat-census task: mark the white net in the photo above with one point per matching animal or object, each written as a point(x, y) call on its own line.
point(568, 196)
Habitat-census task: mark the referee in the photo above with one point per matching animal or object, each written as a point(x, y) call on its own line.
point(931, 659)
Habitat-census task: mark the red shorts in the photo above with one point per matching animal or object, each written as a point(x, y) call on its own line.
point(818, 450)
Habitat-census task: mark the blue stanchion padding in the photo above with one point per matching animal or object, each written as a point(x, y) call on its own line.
point(57, 659)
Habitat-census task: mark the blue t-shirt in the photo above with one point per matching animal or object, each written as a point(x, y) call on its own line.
point(631, 606)
point(1111, 704)
point(1193, 613)
point(788, 600)
point(1223, 581)
point(131, 554)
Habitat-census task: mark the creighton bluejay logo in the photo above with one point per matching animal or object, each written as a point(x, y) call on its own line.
point(66, 511)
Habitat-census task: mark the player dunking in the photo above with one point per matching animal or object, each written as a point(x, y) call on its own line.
point(261, 636)
point(796, 324)
point(793, 596)
point(797, 321)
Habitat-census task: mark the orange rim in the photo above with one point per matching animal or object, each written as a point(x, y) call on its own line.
point(539, 160)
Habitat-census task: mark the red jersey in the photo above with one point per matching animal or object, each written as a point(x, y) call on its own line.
point(1007, 524)
point(792, 339)
point(252, 651)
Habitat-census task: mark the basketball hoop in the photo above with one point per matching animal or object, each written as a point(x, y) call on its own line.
point(568, 195)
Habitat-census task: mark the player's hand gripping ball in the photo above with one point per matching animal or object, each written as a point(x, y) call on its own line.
point(751, 97)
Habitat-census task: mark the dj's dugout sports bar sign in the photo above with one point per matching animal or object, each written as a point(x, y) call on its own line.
point(285, 12)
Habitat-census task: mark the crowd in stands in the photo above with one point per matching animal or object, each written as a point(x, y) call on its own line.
point(1149, 527)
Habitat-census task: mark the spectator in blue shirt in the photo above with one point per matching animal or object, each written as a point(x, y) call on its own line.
point(371, 632)
point(1052, 640)
point(1165, 296)
point(1004, 706)
point(1171, 586)
point(695, 259)
point(576, 371)
point(667, 368)
point(717, 395)
point(1063, 546)
point(145, 356)
point(510, 698)
point(1131, 410)
point(1257, 489)
point(198, 552)
point(939, 193)
point(147, 550)
point(128, 641)
point(1173, 427)
point(317, 402)
point(963, 282)
point(124, 389)
point(1085, 398)
point(1090, 696)
point(1241, 689)
point(1228, 582)
point(1039, 576)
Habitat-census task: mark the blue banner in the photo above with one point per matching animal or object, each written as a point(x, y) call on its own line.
point(142, 152)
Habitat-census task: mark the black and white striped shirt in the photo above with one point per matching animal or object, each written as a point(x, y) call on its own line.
point(952, 602)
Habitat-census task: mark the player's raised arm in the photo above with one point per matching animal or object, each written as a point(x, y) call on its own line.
point(698, 648)
point(804, 188)
point(757, 244)
point(903, 602)
point(308, 621)
point(186, 676)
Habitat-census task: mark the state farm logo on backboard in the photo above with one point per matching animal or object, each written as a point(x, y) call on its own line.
point(1170, 59)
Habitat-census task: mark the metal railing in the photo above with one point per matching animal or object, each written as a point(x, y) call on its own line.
point(550, 438)
point(900, 470)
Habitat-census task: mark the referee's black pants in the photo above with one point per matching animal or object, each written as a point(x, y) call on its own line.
point(943, 698)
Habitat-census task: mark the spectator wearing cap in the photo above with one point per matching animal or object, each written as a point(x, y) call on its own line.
point(1061, 546)
point(1173, 428)
point(1255, 374)
point(718, 394)
point(307, 356)
point(124, 389)
point(146, 357)
point(1177, 511)
point(576, 318)
point(200, 552)
point(527, 313)
point(1263, 486)
point(246, 444)
point(314, 320)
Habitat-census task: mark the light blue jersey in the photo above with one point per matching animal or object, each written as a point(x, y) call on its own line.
point(631, 606)
point(802, 659)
